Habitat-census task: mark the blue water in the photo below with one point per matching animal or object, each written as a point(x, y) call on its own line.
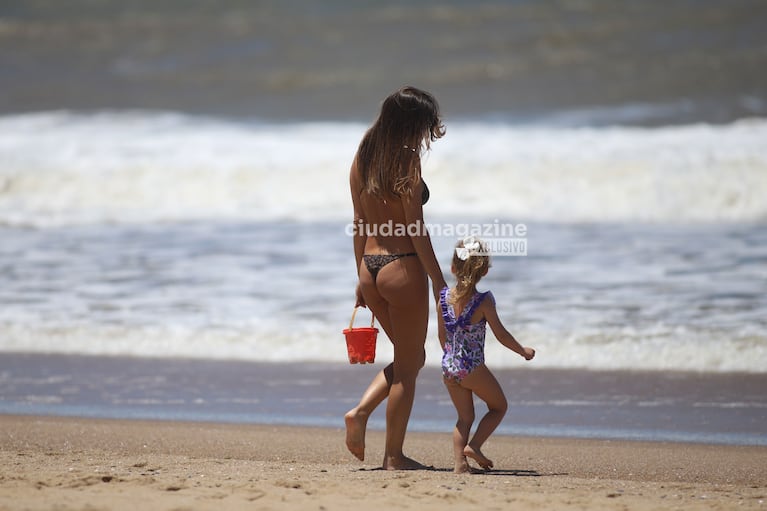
point(591, 62)
point(587, 296)
point(682, 407)
point(178, 199)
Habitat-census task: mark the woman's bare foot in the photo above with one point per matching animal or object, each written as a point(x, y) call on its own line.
point(477, 456)
point(356, 424)
point(402, 463)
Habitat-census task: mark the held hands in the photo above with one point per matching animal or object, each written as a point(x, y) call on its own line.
point(436, 288)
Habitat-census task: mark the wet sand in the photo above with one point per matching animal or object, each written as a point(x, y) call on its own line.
point(69, 463)
point(729, 408)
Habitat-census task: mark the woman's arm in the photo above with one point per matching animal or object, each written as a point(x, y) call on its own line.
point(359, 235)
point(419, 235)
point(504, 336)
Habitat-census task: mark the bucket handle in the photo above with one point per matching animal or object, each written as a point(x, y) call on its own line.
point(351, 323)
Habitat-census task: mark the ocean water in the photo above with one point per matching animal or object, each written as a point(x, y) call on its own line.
point(174, 186)
point(156, 234)
point(631, 405)
point(646, 62)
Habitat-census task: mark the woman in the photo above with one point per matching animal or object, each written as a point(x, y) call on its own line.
point(394, 257)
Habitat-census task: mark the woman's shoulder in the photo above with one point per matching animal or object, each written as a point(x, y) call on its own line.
point(354, 170)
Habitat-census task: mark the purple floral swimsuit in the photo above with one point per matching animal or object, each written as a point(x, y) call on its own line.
point(465, 344)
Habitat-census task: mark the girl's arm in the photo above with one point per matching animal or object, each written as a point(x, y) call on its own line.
point(419, 235)
point(360, 233)
point(504, 336)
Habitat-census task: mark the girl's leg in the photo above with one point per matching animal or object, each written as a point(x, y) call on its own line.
point(356, 419)
point(404, 286)
point(482, 382)
point(463, 400)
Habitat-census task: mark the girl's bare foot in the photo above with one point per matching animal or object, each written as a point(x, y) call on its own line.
point(463, 467)
point(356, 424)
point(402, 463)
point(477, 456)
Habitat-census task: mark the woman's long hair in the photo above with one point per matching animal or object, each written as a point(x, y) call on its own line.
point(388, 157)
point(468, 271)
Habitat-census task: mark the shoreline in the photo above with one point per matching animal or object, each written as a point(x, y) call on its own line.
point(77, 463)
point(717, 409)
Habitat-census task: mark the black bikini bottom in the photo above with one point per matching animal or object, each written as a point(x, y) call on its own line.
point(374, 262)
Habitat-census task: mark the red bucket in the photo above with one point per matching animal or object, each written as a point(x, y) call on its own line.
point(361, 342)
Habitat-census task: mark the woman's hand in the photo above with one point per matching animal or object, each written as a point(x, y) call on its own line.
point(437, 287)
point(360, 298)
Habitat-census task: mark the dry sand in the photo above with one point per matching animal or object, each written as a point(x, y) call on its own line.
point(68, 463)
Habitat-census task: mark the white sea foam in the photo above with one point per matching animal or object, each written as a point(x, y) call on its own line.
point(61, 168)
point(584, 299)
point(651, 349)
point(168, 235)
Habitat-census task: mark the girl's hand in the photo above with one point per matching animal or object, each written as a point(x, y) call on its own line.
point(529, 353)
point(360, 298)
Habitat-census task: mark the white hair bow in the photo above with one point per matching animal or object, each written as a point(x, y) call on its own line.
point(470, 247)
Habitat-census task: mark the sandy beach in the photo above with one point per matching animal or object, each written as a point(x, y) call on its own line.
point(72, 463)
point(177, 260)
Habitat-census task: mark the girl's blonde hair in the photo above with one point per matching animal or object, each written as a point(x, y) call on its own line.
point(470, 270)
point(389, 155)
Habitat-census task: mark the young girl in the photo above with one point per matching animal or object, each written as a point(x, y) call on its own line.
point(464, 314)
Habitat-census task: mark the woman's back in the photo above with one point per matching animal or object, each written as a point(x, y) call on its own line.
point(385, 221)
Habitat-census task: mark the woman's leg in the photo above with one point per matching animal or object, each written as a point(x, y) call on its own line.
point(404, 286)
point(356, 419)
point(482, 382)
